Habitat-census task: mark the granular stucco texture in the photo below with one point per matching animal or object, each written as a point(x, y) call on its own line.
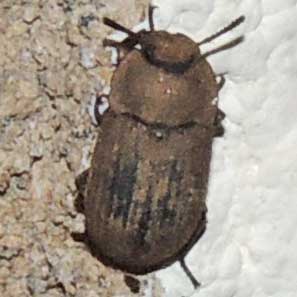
point(51, 64)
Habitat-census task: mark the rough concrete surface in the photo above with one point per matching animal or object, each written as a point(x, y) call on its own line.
point(51, 64)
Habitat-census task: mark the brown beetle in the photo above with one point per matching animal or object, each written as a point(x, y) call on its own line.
point(146, 189)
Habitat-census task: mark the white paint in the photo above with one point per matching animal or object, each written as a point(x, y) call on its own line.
point(102, 108)
point(104, 105)
point(249, 247)
point(88, 57)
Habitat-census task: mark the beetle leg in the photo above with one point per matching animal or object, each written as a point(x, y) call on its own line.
point(111, 43)
point(219, 131)
point(186, 269)
point(133, 283)
point(99, 103)
point(127, 44)
point(218, 127)
point(221, 82)
point(122, 47)
point(81, 183)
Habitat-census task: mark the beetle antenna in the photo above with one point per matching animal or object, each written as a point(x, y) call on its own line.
point(116, 26)
point(150, 15)
point(234, 24)
point(223, 47)
point(187, 271)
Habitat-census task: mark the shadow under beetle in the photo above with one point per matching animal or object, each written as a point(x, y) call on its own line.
point(144, 194)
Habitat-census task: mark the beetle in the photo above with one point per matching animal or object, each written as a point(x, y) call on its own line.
point(145, 192)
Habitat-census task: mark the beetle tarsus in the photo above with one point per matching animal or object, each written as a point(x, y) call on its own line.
point(79, 237)
point(219, 129)
point(81, 181)
point(220, 115)
point(221, 81)
point(133, 283)
point(81, 184)
point(187, 271)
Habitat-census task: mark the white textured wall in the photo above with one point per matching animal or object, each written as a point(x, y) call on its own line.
point(250, 246)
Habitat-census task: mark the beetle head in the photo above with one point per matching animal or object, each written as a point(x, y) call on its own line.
point(172, 52)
